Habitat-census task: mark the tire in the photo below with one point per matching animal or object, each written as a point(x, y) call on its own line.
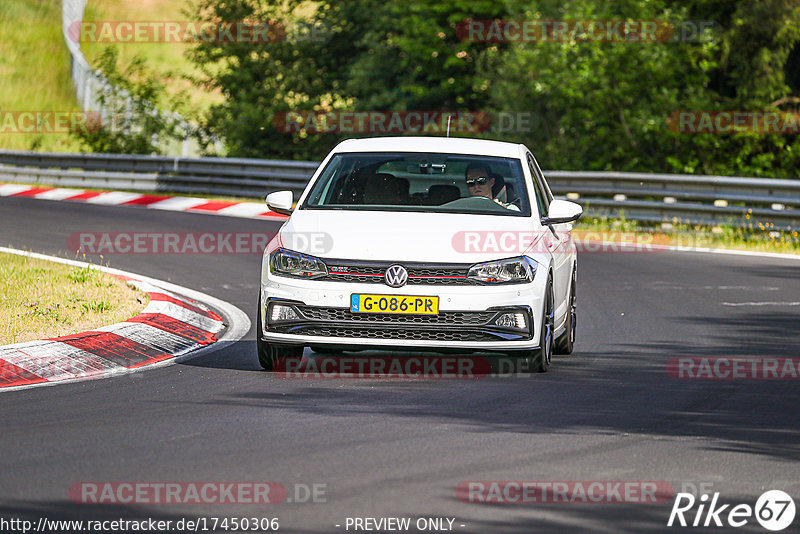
point(565, 343)
point(538, 361)
point(270, 355)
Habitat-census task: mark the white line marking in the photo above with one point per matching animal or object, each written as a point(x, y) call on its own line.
point(182, 314)
point(177, 203)
point(114, 198)
point(737, 304)
point(150, 288)
point(12, 189)
point(244, 209)
point(59, 193)
point(673, 248)
point(247, 210)
point(745, 288)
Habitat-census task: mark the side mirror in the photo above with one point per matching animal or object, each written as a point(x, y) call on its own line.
point(280, 202)
point(562, 211)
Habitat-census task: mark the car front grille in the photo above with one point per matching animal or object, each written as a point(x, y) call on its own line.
point(324, 321)
point(452, 318)
point(418, 274)
point(376, 332)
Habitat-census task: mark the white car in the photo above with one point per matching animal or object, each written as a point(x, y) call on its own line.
point(421, 243)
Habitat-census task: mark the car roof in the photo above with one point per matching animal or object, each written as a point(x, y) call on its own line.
point(447, 145)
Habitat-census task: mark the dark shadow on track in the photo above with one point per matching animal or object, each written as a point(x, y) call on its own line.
point(625, 391)
point(739, 415)
point(772, 271)
point(760, 331)
point(240, 356)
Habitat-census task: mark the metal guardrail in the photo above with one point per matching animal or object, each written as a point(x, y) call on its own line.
point(774, 203)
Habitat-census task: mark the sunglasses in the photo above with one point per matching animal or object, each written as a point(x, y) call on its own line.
point(480, 181)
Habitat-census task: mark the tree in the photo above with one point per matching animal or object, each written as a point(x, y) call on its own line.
point(597, 105)
point(131, 121)
point(605, 105)
point(346, 55)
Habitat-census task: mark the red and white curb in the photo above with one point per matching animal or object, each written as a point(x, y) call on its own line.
point(250, 210)
point(176, 323)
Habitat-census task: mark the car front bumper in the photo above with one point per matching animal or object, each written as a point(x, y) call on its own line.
point(465, 320)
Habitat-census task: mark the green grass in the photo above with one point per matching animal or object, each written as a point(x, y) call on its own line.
point(97, 306)
point(35, 62)
point(34, 70)
point(81, 276)
point(164, 59)
point(756, 236)
point(41, 299)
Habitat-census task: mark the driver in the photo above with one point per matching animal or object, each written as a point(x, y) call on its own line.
point(480, 183)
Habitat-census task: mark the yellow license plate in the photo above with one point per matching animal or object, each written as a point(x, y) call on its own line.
point(400, 304)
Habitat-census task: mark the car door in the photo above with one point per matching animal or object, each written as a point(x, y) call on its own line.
point(558, 241)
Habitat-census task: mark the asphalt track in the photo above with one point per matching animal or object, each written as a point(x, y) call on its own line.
point(399, 448)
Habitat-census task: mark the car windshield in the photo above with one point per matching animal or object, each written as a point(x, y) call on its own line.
point(451, 183)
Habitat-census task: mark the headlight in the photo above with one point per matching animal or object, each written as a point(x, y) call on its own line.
point(510, 271)
point(288, 263)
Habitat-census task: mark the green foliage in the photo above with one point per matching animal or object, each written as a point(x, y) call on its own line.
point(133, 123)
point(96, 306)
point(597, 105)
point(413, 58)
point(34, 71)
point(261, 80)
point(350, 55)
point(81, 276)
point(603, 106)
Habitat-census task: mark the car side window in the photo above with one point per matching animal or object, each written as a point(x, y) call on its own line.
point(542, 199)
point(545, 187)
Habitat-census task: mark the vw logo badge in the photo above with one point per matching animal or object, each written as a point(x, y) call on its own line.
point(396, 276)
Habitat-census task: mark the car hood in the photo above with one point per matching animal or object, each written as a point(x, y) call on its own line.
point(411, 237)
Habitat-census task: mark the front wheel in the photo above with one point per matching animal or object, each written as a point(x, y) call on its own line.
point(270, 355)
point(538, 361)
point(541, 358)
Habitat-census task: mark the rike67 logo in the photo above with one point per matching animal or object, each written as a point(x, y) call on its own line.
point(774, 510)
